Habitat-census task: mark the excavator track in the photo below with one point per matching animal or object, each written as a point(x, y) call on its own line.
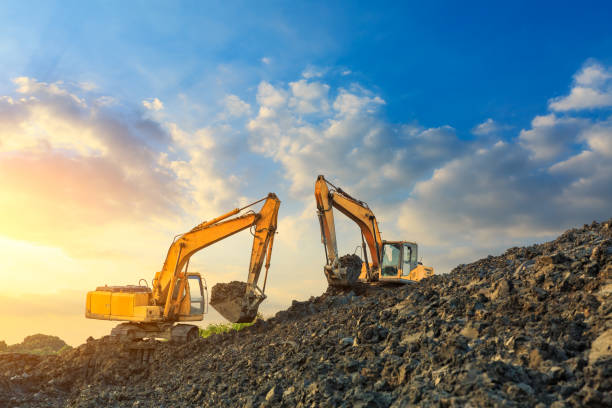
point(131, 332)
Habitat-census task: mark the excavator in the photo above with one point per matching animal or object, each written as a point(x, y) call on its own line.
point(391, 261)
point(178, 295)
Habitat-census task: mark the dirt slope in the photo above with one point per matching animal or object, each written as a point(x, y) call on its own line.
point(528, 328)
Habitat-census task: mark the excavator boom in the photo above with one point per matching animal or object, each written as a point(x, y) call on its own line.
point(360, 213)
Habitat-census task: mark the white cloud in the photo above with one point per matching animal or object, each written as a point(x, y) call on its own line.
point(594, 75)
point(309, 97)
point(349, 142)
point(350, 103)
point(153, 104)
point(266, 60)
point(31, 86)
point(106, 101)
point(551, 137)
point(592, 89)
point(235, 106)
point(313, 72)
point(208, 188)
point(489, 127)
point(88, 86)
point(269, 96)
point(599, 137)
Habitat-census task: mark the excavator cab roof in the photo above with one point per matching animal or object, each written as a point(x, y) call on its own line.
point(399, 242)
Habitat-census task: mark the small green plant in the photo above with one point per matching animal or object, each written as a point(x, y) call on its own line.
point(225, 327)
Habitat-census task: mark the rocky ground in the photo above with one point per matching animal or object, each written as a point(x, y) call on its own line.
point(531, 327)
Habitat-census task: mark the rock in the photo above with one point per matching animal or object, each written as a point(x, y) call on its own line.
point(469, 332)
point(502, 290)
point(274, 394)
point(347, 341)
point(601, 347)
point(288, 392)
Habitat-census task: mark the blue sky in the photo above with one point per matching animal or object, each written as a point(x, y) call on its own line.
point(460, 62)
point(468, 128)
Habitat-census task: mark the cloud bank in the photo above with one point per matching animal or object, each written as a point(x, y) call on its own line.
point(460, 199)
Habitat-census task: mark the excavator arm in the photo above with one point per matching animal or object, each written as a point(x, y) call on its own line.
point(170, 282)
point(360, 213)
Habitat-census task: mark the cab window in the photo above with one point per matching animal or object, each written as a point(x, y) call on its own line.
point(407, 260)
point(196, 295)
point(390, 260)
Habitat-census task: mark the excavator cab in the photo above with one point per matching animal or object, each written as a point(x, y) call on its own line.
point(400, 262)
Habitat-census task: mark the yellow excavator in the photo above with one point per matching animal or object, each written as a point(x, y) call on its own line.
point(178, 295)
point(391, 261)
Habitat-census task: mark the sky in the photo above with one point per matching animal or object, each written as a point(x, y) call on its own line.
point(467, 127)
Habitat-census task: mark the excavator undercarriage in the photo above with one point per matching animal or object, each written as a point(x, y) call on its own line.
point(178, 333)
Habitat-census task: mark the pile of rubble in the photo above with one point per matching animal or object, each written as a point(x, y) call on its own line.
point(528, 328)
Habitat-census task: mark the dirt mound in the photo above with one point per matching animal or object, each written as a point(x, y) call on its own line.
point(41, 344)
point(48, 381)
point(528, 328)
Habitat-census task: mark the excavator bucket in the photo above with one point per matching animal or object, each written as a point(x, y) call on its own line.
point(235, 301)
point(346, 271)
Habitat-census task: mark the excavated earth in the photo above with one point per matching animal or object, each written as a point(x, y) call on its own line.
point(531, 327)
point(222, 292)
point(352, 263)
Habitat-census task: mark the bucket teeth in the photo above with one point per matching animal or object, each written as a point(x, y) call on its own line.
point(234, 311)
point(341, 276)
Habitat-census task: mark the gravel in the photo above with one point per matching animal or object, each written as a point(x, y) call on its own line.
point(530, 327)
